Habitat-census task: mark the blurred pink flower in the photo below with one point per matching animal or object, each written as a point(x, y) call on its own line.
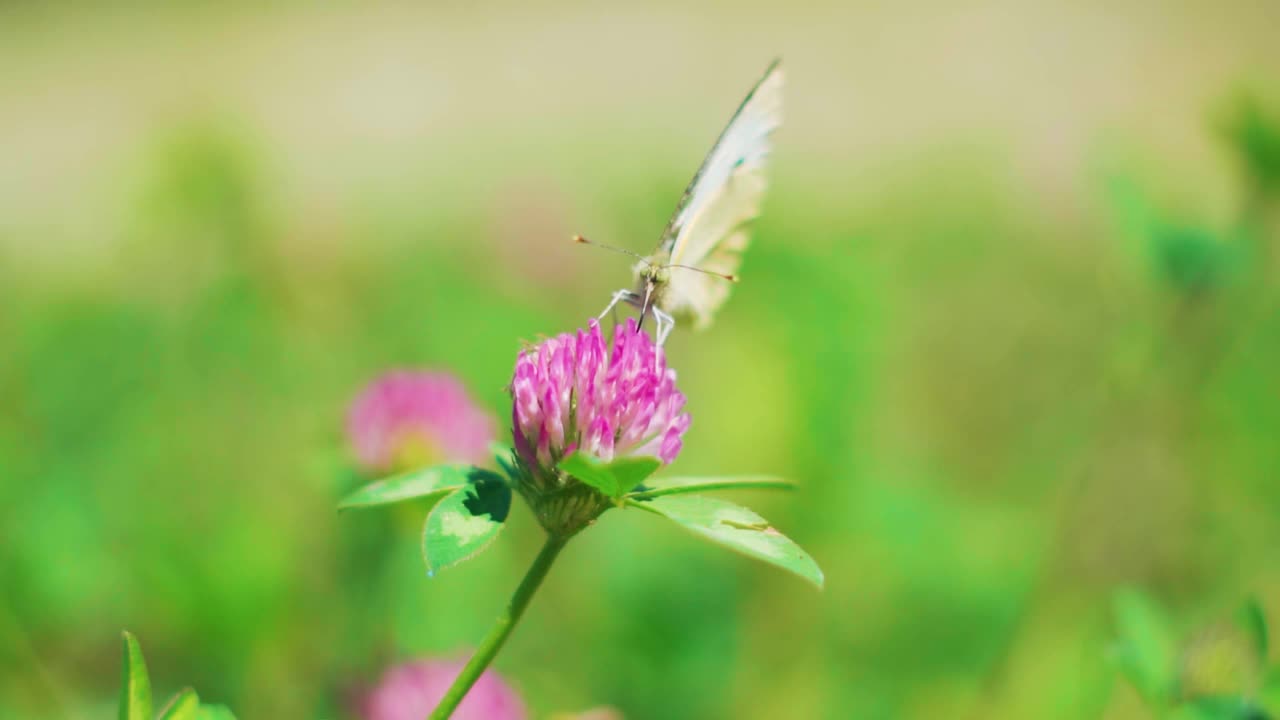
point(406, 419)
point(572, 392)
point(411, 691)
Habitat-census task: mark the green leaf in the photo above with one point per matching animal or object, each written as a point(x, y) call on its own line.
point(1255, 133)
point(1254, 621)
point(614, 479)
point(414, 485)
point(465, 522)
point(1269, 695)
point(1219, 660)
point(737, 528)
point(214, 712)
point(1191, 258)
point(679, 485)
point(183, 706)
point(1220, 707)
point(1145, 649)
point(135, 689)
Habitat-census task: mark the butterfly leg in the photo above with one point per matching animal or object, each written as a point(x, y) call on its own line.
point(618, 297)
point(665, 324)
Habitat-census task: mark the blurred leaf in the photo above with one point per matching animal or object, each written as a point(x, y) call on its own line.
point(1269, 695)
point(464, 523)
point(1254, 621)
point(135, 690)
point(1145, 651)
point(414, 485)
point(1220, 660)
point(183, 706)
point(1192, 259)
point(1222, 707)
point(615, 478)
point(1131, 210)
point(1256, 137)
point(737, 528)
point(680, 485)
point(214, 712)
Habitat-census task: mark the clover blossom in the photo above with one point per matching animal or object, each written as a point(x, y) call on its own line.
point(571, 392)
point(406, 419)
point(574, 394)
point(410, 691)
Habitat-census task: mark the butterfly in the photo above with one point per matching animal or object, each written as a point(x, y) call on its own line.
point(687, 277)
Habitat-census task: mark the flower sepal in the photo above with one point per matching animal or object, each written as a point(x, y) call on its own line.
point(613, 478)
point(562, 505)
point(565, 511)
point(582, 487)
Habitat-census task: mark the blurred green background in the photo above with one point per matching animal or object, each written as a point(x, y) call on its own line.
point(1010, 316)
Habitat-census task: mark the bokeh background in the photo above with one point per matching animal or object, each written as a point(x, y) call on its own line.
point(1010, 317)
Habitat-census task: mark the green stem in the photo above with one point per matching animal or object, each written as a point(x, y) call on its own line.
point(501, 629)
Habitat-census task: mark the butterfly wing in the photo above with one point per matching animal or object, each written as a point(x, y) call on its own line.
point(708, 230)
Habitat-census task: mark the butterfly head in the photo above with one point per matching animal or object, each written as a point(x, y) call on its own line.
point(653, 274)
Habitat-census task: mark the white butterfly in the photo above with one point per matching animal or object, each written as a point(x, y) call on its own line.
point(687, 277)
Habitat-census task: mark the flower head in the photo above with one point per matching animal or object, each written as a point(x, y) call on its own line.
point(406, 419)
point(412, 690)
point(572, 392)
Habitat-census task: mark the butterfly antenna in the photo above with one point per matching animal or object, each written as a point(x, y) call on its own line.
point(722, 276)
point(583, 241)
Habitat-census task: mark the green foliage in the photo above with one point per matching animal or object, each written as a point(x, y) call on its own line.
point(183, 706)
point(1269, 694)
point(1254, 134)
point(135, 685)
point(465, 522)
point(135, 693)
point(1192, 259)
point(677, 485)
point(1145, 647)
point(1254, 621)
point(1189, 257)
point(1220, 660)
point(1219, 708)
point(736, 528)
point(1221, 668)
point(413, 485)
point(474, 508)
point(614, 479)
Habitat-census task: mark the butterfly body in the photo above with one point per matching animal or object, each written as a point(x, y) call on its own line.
point(689, 274)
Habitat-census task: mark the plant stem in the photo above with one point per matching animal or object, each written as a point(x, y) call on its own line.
point(501, 629)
